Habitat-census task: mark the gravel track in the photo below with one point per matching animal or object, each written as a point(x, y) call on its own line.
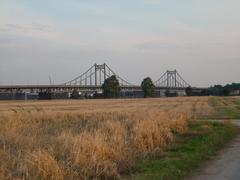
point(226, 165)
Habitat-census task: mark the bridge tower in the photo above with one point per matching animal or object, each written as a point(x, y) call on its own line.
point(171, 79)
point(100, 70)
point(95, 77)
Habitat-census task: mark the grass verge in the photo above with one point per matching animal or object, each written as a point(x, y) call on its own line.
point(189, 151)
point(225, 107)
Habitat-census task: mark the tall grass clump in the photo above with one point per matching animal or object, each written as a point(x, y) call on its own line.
point(42, 165)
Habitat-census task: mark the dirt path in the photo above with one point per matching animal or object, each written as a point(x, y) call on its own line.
point(226, 166)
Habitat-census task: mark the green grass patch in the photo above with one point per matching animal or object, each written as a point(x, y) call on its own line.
point(189, 151)
point(225, 107)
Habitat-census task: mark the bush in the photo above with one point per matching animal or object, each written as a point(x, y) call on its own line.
point(111, 87)
point(148, 87)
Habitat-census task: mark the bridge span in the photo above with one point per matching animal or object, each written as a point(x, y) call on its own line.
point(54, 88)
point(91, 81)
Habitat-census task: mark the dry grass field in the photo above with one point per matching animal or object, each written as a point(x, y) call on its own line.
point(89, 139)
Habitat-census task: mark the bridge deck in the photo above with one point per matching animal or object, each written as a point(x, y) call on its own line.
point(67, 87)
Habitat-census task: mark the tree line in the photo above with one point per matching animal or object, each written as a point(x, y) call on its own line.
point(216, 90)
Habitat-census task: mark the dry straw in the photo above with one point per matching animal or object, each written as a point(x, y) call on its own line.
point(47, 144)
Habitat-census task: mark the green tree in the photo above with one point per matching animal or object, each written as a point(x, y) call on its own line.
point(167, 93)
point(226, 91)
point(148, 87)
point(189, 91)
point(75, 94)
point(111, 87)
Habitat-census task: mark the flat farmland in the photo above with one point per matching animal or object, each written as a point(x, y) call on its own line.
point(94, 139)
point(198, 105)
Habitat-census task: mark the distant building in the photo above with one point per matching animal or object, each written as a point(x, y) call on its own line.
point(235, 93)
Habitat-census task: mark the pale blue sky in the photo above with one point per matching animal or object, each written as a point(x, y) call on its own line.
point(137, 38)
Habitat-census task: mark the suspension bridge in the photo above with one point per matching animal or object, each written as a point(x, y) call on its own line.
point(94, 77)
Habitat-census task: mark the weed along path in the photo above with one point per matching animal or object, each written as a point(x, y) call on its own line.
point(226, 166)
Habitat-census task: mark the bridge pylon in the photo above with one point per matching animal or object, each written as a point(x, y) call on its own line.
point(95, 76)
point(171, 79)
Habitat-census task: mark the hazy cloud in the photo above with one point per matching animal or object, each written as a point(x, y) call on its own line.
point(25, 28)
point(136, 38)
